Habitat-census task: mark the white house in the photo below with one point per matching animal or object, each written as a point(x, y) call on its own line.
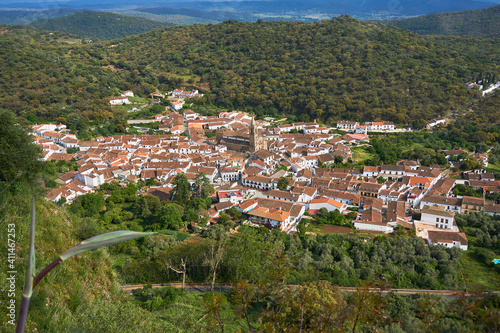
point(69, 141)
point(331, 205)
point(392, 171)
point(491, 88)
point(190, 115)
point(448, 239)
point(347, 125)
point(435, 122)
point(380, 126)
point(91, 178)
point(176, 106)
point(230, 174)
point(373, 226)
point(438, 217)
point(247, 206)
point(448, 203)
point(276, 218)
point(186, 94)
point(233, 196)
point(119, 100)
point(371, 171)
point(361, 129)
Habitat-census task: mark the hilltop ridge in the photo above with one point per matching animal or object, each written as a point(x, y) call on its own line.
point(99, 25)
point(476, 23)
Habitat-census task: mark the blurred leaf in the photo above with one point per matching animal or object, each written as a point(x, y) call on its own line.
point(104, 240)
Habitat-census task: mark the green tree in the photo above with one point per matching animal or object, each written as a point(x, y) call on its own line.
point(182, 190)
point(214, 303)
point(366, 307)
point(147, 205)
point(283, 183)
point(171, 216)
point(202, 186)
point(166, 102)
point(223, 218)
point(19, 157)
point(215, 255)
point(89, 204)
point(317, 306)
point(244, 295)
point(471, 163)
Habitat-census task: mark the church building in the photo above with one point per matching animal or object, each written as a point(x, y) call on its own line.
point(242, 141)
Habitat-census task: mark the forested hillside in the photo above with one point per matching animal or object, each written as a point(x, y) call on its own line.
point(477, 23)
point(341, 68)
point(330, 70)
point(41, 78)
point(99, 25)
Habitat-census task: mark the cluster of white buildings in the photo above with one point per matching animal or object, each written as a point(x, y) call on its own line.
point(249, 182)
point(480, 86)
point(53, 139)
point(354, 126)
point(178, 96)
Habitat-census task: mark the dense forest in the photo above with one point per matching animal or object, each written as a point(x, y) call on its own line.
point(333, 69)
point(99, 25)
point(477, 23)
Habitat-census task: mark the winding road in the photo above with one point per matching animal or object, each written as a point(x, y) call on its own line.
point(200, 287)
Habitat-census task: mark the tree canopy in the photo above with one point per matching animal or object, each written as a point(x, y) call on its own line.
point(182, 190)
point(99, 25)
point(330, 70)
point(20, 164)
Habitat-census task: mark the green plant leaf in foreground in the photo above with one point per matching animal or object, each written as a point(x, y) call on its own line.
point(93, 243)
point(30, 272)
point(87, 245)
point(107, 239)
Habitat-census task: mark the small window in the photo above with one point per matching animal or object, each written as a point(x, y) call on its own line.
point(437, 219)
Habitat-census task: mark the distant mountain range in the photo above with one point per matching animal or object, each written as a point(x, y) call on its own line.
point(99, 25)
point(249, 10)
point(477, 23)
point(12, 17)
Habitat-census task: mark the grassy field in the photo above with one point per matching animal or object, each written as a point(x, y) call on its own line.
point(495, 168)
point(137, 99)
point(478, 270)
point(124, 107)
point(179, 235)
point(360, 155)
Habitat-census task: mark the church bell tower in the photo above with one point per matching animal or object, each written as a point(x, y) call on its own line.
point(254, 137)
point(256, 142)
